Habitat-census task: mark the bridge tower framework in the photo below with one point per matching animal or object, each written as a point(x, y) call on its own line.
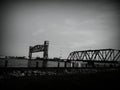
point(39, 48)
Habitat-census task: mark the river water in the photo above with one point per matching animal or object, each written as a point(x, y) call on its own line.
point(24, 63)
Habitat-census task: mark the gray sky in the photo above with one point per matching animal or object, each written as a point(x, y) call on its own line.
point(69, 26)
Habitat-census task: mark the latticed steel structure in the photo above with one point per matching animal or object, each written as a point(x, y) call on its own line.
point(95, 55)
point(39, 48)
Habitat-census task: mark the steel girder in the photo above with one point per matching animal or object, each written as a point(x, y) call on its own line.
point(96, 55)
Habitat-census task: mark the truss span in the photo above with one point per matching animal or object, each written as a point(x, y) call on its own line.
point(96, 55)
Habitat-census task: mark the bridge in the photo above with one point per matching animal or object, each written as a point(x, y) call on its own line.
point(88, 57)
point(98, 57)
point(78, 61)
point(95, 55)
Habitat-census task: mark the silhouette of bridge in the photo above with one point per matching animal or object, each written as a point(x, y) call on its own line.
point(87, 60)
point(96, 55)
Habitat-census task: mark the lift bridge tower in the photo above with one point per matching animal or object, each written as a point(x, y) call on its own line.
point(39, 48)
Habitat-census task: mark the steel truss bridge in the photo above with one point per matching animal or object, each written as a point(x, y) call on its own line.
point(102, 55)
point(99, 56)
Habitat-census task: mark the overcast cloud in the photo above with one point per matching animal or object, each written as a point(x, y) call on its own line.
point(68, 26)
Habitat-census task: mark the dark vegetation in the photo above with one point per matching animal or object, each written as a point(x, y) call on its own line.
point(80, 81)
